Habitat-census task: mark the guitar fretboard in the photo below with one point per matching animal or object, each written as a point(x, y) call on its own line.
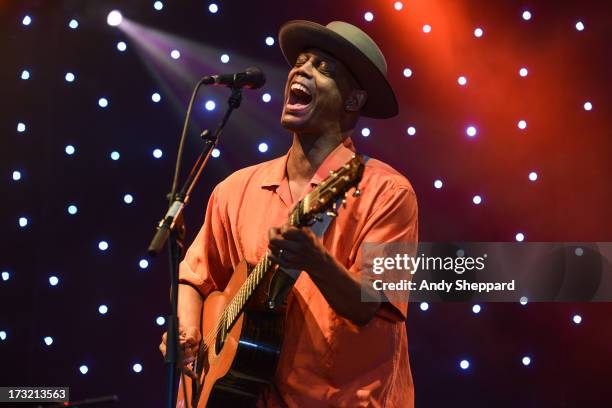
point(237, 304)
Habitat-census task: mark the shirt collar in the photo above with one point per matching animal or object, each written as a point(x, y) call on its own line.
point(340, 155)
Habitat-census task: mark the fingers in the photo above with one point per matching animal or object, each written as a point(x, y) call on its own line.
point(189, 372)
point(189, 342)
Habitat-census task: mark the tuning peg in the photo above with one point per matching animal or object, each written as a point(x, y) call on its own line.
point(332, 213)
point(356, 193)
point(331, 173)
point(344, 203)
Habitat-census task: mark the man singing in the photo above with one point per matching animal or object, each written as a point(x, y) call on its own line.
point(338, 351)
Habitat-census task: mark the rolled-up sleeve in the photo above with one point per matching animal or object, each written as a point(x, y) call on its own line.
point(393, 221)
point(207, 264)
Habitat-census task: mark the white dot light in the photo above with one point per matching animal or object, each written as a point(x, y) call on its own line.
point(411, 131)
point(137, 368)
point(477, 199)
point(53, 280)
point(83, 369)
point(103, 309)
point(464, 364)
point(426, 28)
point(48, 340)
point(269, 41)
point(156, 97)
point(424, 306)
point(225, 58)
point(522, 124)
point(588, 106)
point(523, 300)
point(476, 309)
point(70, 150)
point(114, 18)
point(27, 20)
point(115, 155)
point(128, 199)
point(368, 16)
point(103, 245)
point(144, 264)
point(263, 147)
point(462, 80)
point(266, 97)
point(471, 131)
point(158, 5)
point(216, 153)
point(16, 175)
point(365, 132)
point(2, 335)
point(5, 276)
point(25, 74)
point(526, 361)
point(175, 54)
point(478, 32)
point(72, 209)
point(523, 72)
point(73, 24)
point(526, 15)
point(579, 251)
point(533, 176)
point(210, 105)
point(438, 184)
point(23, 222)
point(579, 26)
point(21, 127)
point(160, 321)
point(577, 319)
point(520, 237)
point(157, 153)
point(69, 77)
point(213, 8)
point(407, 72)
point(103, 102)
point(398, 5)
point(121, 46)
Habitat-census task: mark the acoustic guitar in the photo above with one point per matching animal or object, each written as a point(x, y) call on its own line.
point(243, 325)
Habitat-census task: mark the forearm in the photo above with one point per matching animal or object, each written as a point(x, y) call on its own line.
point(189, 306)
point(343, 291)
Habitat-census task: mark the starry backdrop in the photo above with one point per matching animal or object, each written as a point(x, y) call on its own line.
point(503, 131)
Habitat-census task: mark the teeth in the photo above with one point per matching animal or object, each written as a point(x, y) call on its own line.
point(301, 87)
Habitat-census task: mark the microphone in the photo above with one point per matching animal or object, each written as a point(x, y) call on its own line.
point(251, 78)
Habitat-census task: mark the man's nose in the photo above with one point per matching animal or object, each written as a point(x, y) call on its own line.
point(305, 69)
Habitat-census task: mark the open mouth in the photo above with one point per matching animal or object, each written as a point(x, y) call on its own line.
point(299, 97)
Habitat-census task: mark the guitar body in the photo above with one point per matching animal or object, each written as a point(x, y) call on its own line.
point(242, 362)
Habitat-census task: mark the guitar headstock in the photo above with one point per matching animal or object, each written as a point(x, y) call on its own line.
point(335, 187)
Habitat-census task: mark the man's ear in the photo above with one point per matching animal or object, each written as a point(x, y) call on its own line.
point(356, 100)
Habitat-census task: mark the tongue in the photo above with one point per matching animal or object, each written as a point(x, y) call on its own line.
point(299, 98)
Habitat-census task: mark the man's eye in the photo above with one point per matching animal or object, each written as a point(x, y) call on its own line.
point(301, 60)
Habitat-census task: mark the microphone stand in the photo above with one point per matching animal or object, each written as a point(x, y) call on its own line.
point(172, 226)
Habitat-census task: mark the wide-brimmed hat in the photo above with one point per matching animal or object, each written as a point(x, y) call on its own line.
point(355, 49)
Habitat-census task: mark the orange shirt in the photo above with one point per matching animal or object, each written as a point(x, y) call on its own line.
point(326, 360)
